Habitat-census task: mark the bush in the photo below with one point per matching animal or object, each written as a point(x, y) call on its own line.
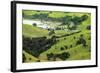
point(70, 46)
point(38, 60)
point(83, 18)
point(54, 57)
point(30, 59)
point(49, 56)
point(24, 58)
point(78, 42)
point(88, 27)
point(74, 37)
point(64, 38)
point(66, 47)
point(89, 38)
point(81, 41)
point(61, 48)
point(58, 28)
point(64, 55)
point(34, 24)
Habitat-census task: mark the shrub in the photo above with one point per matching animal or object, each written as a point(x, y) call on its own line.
point(34, 24)
point(81, 41)
point(64, 38)
point(54, 57)
point(84, 17)
point(89, 38)
point(78, 42)
point(49, 56)
point(62, 48)
point(30, 59)
point(70, 46)
point(58, 28)
point(74, 37)
point(66, 47)
point(64, 55)
point(24, 58)
point(38, 60)
point(88, 27)
point(84, 43)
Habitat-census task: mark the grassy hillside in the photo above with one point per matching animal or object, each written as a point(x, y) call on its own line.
point(77, 52)
point(31, 31)
point(65, 41)
point(29, 57)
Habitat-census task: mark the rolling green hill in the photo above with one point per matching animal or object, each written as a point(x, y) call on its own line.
point(77, 52)
point(29, 57)
point(66, 41)
point(31, 31)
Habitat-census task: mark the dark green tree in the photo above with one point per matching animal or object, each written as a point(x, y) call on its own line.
point(24, 58)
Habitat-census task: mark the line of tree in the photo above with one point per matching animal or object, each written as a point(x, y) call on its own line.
point(62, 56)
point(66, 20)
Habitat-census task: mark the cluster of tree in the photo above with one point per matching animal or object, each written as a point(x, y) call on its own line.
point(77, 20)
point(64, 47)
point(66, 20)
point(35, 46)
point(63, 56)
point(41, 16)
point(81, 40)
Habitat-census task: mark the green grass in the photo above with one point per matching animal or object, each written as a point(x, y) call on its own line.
point(70, 41)
point(28, 56)
point(55, 14)
point(77, 52)
point(32, 31)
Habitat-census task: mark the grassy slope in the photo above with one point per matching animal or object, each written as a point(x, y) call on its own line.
point(30, 31)
point(27, 55)
point(77, 52)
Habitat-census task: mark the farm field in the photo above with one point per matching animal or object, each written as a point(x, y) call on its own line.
point(56, 36)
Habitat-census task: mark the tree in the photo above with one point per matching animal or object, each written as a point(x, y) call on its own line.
point(62, 48)
point(81, 41)
point(66, 20)
point(43, 16)
point(83, 18)
point(70, 46)
point(34, 24)
point(88, 27)
point(74, 37)
point(49, 56)
point(38, 60)
point(51, 32)
point(76, 20)
point(24, 58)
point(64, 55)
point(66, 47)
